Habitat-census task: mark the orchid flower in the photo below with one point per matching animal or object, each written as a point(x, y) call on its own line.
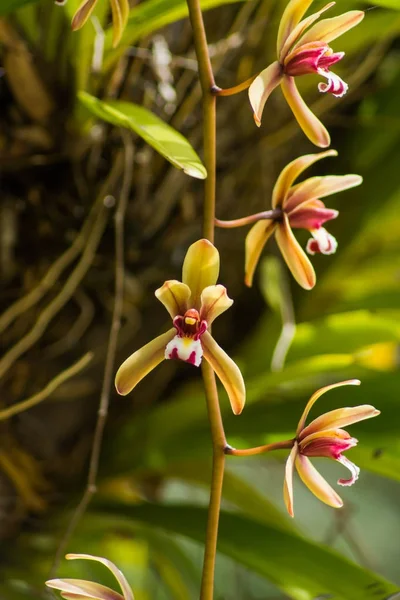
point(324, 437)
point(79, 589)
point(193, 304)
point(303, 48)
point(298, 207)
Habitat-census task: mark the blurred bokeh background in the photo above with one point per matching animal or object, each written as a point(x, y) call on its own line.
point(57, 164)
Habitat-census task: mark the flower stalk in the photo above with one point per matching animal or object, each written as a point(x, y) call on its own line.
point(214, 412)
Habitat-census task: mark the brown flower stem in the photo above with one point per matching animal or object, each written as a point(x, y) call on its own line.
point(285, 445)
point(274, 214)
point(236, 89)
point(214, 413)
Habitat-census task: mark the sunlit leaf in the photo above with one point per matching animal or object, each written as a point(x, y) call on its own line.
point(163, 138)
point(270, 552)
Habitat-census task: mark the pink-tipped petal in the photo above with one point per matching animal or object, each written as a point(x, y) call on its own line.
point(77, 589)
point(335, 85)
point(293, 13)
point(186, 349)
point(341, 417)
point(82, 14)
point(214, 301)
point(317, 395)
point(309, 216)
point(200, 269)
point(295, 257)
point(329, 444)
point(288, 481)
point(354, 470)
point(141, 362)
point(261, 88)
point(119, 576)
point(328, 30)
point(309, 123)
point(227, 371)
point(316, 483)
point(320, 187)
point(282, 189)
point(175, 296)
point(300, 29)
point(255, 242)
point(322, 242)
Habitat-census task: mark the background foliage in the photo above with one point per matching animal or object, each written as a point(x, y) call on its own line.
point(60, 153)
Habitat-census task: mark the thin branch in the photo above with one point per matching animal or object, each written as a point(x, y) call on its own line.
point(217, 91)
point(49, 389)
point(91, 486)
point(275, 215)
point(285, 445)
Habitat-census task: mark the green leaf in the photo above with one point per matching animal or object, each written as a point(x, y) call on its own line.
point(302, 569)
point(395, 4)
point(163, 138)
point(7, 6)
point(236, 490)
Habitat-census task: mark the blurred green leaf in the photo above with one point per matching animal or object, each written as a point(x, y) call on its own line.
point(7, 6)
point(236, 490)
point(302, 569)
point(386, 3)
point(163, 138)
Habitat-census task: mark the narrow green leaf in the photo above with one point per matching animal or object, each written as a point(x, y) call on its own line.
point(302, 569)
point(7, 6)
point(163, 138)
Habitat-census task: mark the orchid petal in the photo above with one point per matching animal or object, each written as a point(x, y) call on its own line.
point(227, 371)
point(328, 444)
point(291, 172)
point(200, 269)
point(354, 470)
point(322, 241)
point(300, 29)
point(292, 15)
point(255, 242)
point(82, 14)
point(119, 576)
point(288, 482)
point(79, 589)
point(261, 88)
point(214, 301)
point(310, 216)
point(174, 295)
point(341, 417)
point(330, 29)
point(309, 123)
point(320, 187)
point(317, 395)
point(295, 257)
point(316, 483)
point(141, 362)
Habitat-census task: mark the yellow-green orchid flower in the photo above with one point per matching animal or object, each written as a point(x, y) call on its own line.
point(303, 48)
point(300, 207)
point(79, 589)
point(324, 437)
point(295, 207)
point(193, 304)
